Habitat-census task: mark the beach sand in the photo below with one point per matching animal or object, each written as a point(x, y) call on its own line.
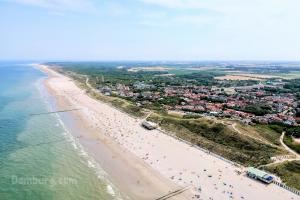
point(148, 164)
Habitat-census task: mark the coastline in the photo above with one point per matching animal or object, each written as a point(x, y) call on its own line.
point(133, 178)
point(39, 157)
point(148, 164)
point(70, 132)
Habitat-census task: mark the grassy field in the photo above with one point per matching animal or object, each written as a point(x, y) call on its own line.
point(268, 133)
point(289, 172)
point(291, 75)
point(219, 139)
point(288, 140)
point(263, 132)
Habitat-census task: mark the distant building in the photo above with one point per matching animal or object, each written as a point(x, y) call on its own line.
point(142, 86)
point(106, 90)
point(146, 94)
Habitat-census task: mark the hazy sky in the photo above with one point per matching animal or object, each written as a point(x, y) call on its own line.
point(150, 29)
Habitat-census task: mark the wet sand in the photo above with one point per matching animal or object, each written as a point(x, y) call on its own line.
point(133, 177)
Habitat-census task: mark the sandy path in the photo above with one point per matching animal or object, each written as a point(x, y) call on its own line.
point(159, 154)
point(288, 148)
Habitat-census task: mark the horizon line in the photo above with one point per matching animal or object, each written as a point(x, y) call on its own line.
point(142, 60)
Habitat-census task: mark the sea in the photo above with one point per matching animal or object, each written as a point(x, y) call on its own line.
point(39, 157)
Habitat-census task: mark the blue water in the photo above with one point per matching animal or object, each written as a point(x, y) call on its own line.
point(39, 159)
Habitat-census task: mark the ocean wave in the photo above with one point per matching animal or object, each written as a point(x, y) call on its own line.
point(91, 163)
point(88, 160)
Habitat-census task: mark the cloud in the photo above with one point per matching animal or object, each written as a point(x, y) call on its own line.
point(195, 19)
point(234, 27)
point(227, 6)
point(153, 14)
point(175, 3)
point(231, 13)
point(177, 21)
point(59, 5)
point(115, 9)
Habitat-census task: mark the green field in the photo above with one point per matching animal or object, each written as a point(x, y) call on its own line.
point(219, 139)
point(268, 133)
point(288, 140)
point(290, 75)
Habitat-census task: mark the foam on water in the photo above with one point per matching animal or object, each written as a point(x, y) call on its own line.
point(100, 173)
point(42, 147)
point(90, 161)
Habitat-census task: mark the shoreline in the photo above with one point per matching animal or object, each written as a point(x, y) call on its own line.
point(158, 163)
point(67, 124)
point(132, 177)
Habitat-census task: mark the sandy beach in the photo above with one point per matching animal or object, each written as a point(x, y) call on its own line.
point(148, 164)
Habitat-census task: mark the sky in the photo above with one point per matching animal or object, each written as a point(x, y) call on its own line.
point(95, 30)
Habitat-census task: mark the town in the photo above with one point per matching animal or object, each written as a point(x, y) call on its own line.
point(247, 116)
point(258, 103)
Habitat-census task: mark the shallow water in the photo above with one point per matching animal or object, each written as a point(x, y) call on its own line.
point(39, 158)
